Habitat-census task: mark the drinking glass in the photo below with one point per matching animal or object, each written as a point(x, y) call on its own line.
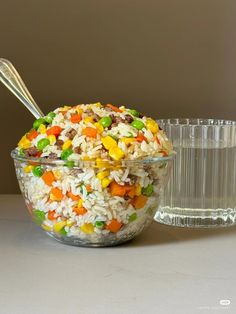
point(202, 188)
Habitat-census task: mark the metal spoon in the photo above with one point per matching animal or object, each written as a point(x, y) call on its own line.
point(12, 80)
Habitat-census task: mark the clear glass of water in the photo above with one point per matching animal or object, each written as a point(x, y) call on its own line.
point(202, 188)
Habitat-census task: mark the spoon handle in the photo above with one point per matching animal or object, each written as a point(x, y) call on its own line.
point(12, 80)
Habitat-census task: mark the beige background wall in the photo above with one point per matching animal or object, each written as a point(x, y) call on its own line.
point(166, 57)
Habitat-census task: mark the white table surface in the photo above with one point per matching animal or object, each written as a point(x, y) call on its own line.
point(165, 270)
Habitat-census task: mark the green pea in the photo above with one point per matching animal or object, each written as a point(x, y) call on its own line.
point(21, 152)
point(134, 112)
point(106, 121)
point(37, 123)
point(43, 143)
point(137, 124)
point(49, 117)
point(39, 216)
point(129, 134)
point(69, 164)
point(63, 232)
point(37, 171)
point(132, 217)
point(99, 224)
point(148, 190)
point(66, 153)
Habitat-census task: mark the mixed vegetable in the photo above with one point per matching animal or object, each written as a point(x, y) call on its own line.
point(70, 201)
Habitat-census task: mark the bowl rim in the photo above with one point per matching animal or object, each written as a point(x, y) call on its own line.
point(196, 122)
point(79, 163)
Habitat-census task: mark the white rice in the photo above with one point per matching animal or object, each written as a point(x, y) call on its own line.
point(99, 204)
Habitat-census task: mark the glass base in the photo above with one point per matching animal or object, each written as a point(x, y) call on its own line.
point(126, 234)
point(83, 243)
point(196, 218)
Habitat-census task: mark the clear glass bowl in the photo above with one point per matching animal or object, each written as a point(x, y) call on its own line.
point(92, 203)
point(202, 188)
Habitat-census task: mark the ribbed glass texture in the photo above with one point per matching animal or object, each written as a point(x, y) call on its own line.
point(202, 188)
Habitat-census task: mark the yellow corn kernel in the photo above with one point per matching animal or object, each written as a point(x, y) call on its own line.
point(52, 139)
point(116, 153)
point(105, 182)
point(127, 140)
point(79, 110)
point(28, 168)
point(98, 104)
point(109, 142)
point(99, 127)
point(69, 223)
point(42, 129)
point(66, 108)
point(116, 167)
point(59, 225)
point(86, 158)
point(67, 144)
point(87, 228)
point(57, 174)
point(152, 125)
point(138, 190)
point(24, 142)
point(52, 197)
point(88, 119)
point(103, 174)
point(100, 163)
point(46, 227)
point(80, 203)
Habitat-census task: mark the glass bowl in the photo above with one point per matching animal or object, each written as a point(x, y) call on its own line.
point(201, 192)
point(92, 203)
